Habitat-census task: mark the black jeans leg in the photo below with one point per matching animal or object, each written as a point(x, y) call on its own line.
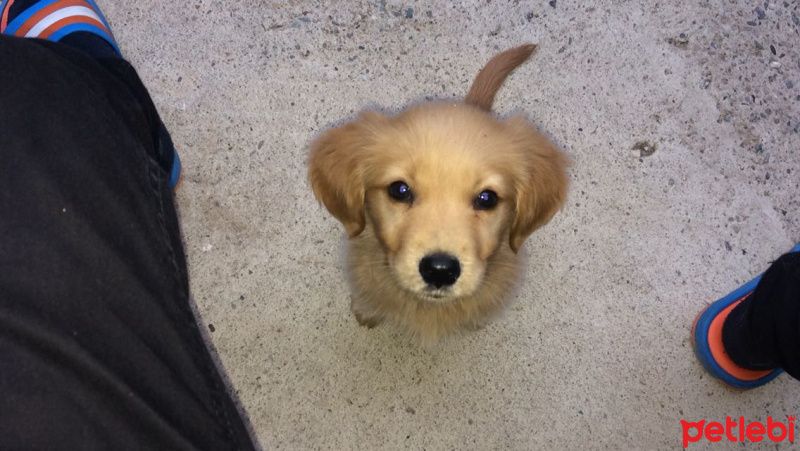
point(99, 348)
point(763, 332)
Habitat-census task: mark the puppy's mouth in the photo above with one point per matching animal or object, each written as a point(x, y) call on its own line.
point(433, 294)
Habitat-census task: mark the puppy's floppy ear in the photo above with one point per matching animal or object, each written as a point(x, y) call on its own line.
point(336, 170)
point(541, 185)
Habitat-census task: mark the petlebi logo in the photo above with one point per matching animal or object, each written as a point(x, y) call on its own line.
point(739, 430)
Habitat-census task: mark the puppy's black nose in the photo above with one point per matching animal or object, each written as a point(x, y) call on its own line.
point(439, 270)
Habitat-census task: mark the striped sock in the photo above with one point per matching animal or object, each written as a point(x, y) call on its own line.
point(68, 21)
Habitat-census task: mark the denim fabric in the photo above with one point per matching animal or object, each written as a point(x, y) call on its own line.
point(99, 347)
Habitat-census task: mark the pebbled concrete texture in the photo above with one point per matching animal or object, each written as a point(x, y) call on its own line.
point(596, 352)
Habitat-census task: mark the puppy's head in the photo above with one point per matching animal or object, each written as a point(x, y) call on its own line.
point(443, 187)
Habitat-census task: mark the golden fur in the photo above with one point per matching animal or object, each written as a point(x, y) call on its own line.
point(447, 154)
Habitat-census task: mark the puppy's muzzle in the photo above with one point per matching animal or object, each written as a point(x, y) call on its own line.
point(439, 270)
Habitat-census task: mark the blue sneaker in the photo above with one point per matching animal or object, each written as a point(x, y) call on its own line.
point(708, 346)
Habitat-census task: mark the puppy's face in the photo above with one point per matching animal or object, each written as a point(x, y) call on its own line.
point(440, 202)
point(443, 187)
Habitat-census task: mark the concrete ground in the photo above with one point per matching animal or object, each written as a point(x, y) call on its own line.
point(596, 352)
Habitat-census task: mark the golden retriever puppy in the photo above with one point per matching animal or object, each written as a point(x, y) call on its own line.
point(437, 202)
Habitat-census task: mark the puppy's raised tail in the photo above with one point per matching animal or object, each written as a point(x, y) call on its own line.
point(492, 76)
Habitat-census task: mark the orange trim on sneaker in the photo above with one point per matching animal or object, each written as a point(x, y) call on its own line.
point(718, 349)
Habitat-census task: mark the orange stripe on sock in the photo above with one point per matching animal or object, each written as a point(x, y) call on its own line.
point(69, 21)
point(4, 20)
point(718, 349)
point(36, 18)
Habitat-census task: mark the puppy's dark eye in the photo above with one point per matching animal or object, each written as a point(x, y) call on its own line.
point(400, 191)
point(486, 200)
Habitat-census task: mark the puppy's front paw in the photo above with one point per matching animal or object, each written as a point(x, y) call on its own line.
point(368, 322)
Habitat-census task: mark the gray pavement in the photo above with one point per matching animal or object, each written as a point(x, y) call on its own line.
point(595, 353)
